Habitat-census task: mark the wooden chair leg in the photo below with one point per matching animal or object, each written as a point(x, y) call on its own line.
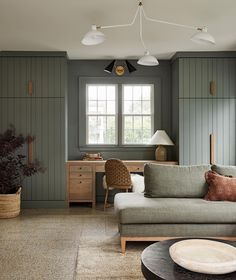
point(106, 196)
point(123, 244)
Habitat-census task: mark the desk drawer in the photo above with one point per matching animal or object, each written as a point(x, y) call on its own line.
point(80, 168)
point(81, 189)
point(80, 175)
point(135, 168)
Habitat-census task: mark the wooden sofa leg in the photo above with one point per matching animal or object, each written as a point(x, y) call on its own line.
point(123, 244)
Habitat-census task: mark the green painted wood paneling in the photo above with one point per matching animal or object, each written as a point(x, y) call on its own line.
point(201, 113)
point(198, 119)
point(195, 75)
point(41, 115)
point(47, 74)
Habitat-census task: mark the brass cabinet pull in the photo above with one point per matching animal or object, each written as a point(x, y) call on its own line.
point(212, 149)
point(30, 88)
point(213, 88)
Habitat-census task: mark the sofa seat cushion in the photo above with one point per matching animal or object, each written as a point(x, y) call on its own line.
point(135, 208)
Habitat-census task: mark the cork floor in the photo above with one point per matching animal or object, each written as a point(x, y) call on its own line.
point(75, 243)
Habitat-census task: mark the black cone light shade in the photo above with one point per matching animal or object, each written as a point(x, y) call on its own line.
point(130, 67)
point(109, 67)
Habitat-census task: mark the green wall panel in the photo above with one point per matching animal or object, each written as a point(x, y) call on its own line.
point(198, 119)
point(47, 74)
point(41, 115)
point(195, 75)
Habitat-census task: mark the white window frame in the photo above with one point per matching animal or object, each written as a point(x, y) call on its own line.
point(116, 114)
point(122, 113)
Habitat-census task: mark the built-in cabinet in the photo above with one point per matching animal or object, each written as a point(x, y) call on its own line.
point(32, 98)
point(199, 111)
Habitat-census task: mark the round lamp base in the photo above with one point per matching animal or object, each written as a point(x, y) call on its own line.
point(161, 154)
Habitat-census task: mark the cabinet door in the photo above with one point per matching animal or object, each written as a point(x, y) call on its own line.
point(48, 75)
point(17, 112)
point(196, 74)
point(198, 119)
point(14, 76)
point(48, 128)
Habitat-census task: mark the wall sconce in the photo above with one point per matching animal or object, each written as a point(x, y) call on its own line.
point(119, 69)
point(109, 67)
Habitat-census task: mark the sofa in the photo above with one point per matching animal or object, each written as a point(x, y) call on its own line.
point(173, 205)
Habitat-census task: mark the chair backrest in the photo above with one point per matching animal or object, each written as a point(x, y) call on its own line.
point(117, 174)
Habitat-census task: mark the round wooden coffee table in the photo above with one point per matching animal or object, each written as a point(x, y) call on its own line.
point(156, 263)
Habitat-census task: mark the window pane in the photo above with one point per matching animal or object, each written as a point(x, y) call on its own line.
point(146, 136)
point(111, 123)
point(138, 136)
point(137, 122)
point(128, 107)
point(128, 92)
point(137, 93)
point(92, 92)
point(128, 133)
point(102, 107)
point(137, 107)
point(111, 93)
point(111, 107)
point(146, 93)
point(102, 93)
point(111, 136)
point(146, 107)
point(92, 107)
point(147, 122)
point(128, 122)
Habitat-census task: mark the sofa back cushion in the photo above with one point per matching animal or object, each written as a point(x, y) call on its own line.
point(175, 180)
point(225, 170)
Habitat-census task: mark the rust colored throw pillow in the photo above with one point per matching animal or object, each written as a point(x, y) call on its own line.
point(220, 187)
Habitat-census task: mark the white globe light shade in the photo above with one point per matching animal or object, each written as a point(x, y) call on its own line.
point(203, 37)
point(148, 60)
point(93, 37)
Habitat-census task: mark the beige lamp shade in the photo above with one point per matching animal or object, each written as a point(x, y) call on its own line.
point(161, 139)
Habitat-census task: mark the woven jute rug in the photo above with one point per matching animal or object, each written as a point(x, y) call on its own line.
point(99, 255)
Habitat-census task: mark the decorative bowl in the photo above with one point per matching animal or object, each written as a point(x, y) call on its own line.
point(204, 256)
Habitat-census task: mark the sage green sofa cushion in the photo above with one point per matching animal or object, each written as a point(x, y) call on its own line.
point(175, 181)
point(224, 170)
point(134, 208)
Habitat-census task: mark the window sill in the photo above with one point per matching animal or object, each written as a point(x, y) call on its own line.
point(116, 148)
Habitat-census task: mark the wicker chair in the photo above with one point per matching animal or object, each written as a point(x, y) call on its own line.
point(117, 177)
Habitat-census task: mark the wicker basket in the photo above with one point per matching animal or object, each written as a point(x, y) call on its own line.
point(10, 205)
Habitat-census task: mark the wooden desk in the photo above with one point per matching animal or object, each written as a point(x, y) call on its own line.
point(81, 177)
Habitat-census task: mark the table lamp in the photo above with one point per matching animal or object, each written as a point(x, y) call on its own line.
point(161, 139)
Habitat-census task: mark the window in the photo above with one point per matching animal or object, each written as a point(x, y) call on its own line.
point(137, 114)
point(101, 114)
point(119, 114)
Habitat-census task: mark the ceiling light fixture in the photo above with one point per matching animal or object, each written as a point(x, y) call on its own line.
point(95, 37)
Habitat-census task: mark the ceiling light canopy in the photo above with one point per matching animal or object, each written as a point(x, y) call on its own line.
point(95, 37)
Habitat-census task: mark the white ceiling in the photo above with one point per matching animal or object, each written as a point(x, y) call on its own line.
point(59, 25)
